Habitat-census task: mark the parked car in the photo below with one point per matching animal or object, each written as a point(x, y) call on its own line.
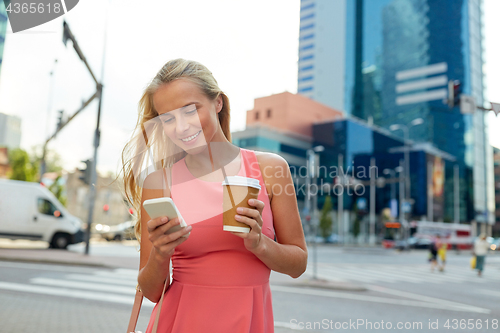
point(117, 232)
point(30, 211)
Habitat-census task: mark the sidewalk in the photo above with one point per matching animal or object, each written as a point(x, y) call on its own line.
point(125, 255)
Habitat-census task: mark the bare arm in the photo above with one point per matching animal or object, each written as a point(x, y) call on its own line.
point(156, 247)
point(289, 254)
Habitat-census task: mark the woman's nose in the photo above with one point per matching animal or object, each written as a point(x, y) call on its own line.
point(181, 125)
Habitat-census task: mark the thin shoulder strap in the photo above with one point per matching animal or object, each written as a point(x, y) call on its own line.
point(167, 181)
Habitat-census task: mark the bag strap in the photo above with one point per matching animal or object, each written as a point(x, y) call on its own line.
point(134, 317)
point(136, 308)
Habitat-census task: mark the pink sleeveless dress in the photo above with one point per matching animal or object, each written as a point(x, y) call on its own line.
point(218, 286)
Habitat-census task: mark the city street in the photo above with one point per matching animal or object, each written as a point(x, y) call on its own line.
point(401, 294)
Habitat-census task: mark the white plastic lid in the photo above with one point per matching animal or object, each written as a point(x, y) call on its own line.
point(241, 181)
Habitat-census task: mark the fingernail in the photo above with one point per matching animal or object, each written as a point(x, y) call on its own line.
point(239, 210)
point(252, 201)
point(164, 219)
point(188, 228)
point(237, 217)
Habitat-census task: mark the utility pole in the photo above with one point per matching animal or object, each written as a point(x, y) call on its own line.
point(430, 193)
point(456, 189)
point(340, 209)
point(67, 34)
point(373, 191)
point(401, 193)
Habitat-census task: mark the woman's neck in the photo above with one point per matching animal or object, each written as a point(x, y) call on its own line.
point(215, 156)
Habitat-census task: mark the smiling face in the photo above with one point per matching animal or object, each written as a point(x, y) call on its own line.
point(188, 116)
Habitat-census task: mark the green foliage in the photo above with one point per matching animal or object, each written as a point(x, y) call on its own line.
point(325, 222)
point(22, 167)
point(58, 190)
point(53, 162)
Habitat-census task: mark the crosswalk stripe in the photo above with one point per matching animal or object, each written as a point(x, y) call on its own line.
point(400, 275)
point(370, 273)
point(100, 279)
point(425, 276)
point(377, 299)
point(333, 274)
point(117, 276)
point(396, 273)
point(65, 292)
point(84, 285)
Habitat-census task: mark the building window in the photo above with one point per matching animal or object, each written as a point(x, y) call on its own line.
point(268, 113)
point(306, 37)
point(256, 115)
point(305, 27)
point(307, 17)
point(307, 47)
point(306, 7)
point(305, 78)
point(309, 57)
point(305, 89)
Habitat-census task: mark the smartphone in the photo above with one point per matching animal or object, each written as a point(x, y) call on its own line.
point(165, 207)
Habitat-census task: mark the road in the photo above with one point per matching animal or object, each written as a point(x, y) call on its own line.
point(402, 295)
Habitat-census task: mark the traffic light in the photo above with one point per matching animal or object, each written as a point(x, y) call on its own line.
point(86, 173)
point(66, 33)
point(60, 119)
point(454, 92)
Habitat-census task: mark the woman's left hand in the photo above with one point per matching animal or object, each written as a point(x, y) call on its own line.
point(253, 218)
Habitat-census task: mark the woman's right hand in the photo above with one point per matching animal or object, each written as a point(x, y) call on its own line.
point(164, 244)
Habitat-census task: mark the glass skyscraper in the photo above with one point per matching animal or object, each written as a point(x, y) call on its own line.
point(389, 62)
point(3, 29)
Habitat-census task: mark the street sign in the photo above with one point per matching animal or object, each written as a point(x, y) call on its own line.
point(467, 104)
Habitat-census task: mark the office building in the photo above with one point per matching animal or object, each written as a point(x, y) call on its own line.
point(10, 131)
point(389, 62)
point(3, 29)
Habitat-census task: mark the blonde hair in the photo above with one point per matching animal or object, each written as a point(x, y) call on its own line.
point(149, 139)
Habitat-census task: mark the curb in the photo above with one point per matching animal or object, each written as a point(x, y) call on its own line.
point(55, 262)
point(323, 284)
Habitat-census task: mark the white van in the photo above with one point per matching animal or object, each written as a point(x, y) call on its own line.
point(30, 211)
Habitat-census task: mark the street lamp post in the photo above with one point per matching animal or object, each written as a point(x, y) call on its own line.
point(406, 132)
point(312, 161)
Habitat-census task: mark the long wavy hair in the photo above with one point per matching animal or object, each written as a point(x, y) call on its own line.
point(149, 144)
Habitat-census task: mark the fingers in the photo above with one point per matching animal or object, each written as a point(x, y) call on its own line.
point(256, 203)
point(254, 225)
point(166, 243)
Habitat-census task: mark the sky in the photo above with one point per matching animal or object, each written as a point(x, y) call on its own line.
point(249, 46)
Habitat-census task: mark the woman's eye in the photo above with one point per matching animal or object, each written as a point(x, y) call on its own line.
point(191, 112)
point(169, 120)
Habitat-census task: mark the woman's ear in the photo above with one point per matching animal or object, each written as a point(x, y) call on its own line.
point(219, 104)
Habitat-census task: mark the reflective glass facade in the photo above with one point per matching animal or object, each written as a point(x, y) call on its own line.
point(358, 143)
point(3, 29)
point(398, 56)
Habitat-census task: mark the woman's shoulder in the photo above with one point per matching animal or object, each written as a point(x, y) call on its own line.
point(270, 159)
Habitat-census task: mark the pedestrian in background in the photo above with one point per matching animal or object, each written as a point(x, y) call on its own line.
point(442, 248)
point(481, 247)
point(433, 253)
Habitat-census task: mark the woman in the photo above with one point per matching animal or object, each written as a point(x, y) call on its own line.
point(220, 280)
point(481, 247)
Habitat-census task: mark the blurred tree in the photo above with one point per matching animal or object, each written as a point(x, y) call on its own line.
point(58, 190)
point(22, 167)
point(52, 159)
point(325, 222)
